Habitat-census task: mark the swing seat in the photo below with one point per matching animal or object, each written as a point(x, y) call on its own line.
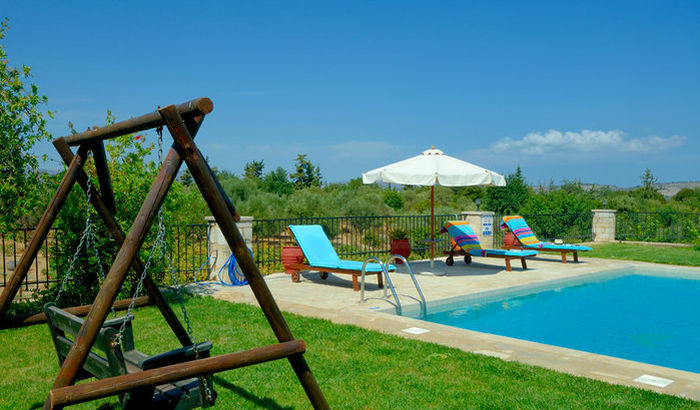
point(116, 360)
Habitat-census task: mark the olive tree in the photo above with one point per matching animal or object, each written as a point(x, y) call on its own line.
point(22, 125)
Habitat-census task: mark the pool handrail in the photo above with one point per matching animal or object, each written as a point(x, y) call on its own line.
point(422, 302)
point(388, 282)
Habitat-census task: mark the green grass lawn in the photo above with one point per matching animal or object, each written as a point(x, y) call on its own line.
point(356, 368)
point(689, 256)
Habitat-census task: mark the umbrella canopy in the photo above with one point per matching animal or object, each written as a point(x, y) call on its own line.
point(432, 167)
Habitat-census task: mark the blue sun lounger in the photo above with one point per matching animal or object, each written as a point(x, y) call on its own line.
point(320, 256)
point(526, 239)
point(465, 242)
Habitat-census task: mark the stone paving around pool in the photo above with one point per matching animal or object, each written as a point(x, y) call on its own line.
point(334, 299)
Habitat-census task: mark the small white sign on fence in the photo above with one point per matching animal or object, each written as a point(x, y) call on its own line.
point(487, 225)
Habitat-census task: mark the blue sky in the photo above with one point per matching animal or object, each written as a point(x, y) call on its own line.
point(596, 91)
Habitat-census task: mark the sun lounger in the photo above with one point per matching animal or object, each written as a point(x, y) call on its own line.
point(320, 256)
point(526, 239)
point(465, 242)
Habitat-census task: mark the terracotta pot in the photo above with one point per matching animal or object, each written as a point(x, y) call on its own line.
point(401, 247)
point(509, 240)
point(290, 255)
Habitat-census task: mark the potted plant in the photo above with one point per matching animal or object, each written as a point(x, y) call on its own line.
point(400, 244)
point(509, 239)
point(292, 255)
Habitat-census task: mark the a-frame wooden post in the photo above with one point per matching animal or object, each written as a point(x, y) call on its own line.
point(216, 200)
point(183, 122)
point(75, 358)
point(42, 230)
point(100, 156)
point(118, 235)
point(193, 110)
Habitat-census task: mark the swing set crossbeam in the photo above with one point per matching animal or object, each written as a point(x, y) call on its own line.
point(183, 122)
point(118, 235)
point(117, 274)
point(83, 392)
point(193, 108)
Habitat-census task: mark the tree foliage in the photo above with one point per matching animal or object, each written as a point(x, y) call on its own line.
point(277, 182)
point(569, 198)
point(133, 166)
point(508, 199)
point(22, 125)
point(690, 196)
point(393, 199)
point(649, 190)
point(306, 174)
point(254, 169)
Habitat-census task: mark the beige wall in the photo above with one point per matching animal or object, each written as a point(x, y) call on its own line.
point(483, 224)
point(603, 225)
point(218, 247)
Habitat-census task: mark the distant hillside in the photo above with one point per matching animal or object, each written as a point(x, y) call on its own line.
point(667, 189)
point(670, 189)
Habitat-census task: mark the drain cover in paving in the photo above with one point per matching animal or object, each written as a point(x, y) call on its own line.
point(653, 380)
point(416, 330)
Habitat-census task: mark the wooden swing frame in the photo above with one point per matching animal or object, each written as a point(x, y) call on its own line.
point(183, 122)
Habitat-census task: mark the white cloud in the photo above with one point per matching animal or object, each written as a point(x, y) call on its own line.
point(589, 141)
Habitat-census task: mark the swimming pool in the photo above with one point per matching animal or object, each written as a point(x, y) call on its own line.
point(650, 317)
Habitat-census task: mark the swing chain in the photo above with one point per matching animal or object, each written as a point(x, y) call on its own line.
point(139, 285)
point(161, 245)
point(165, 256)
point(87, 238)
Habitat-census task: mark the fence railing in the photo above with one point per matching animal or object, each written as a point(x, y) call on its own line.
point(41, 272)
point(353, 237)
point(188, 251)
point(189, 248)
point(357, 237)
point(657, 226)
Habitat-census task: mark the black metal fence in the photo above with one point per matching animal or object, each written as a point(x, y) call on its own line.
point(657, 226)
point(188, 250)
point(40, 272)
point(359, 237)
point(354, 237)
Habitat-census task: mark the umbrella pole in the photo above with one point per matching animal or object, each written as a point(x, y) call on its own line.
point(432, 226)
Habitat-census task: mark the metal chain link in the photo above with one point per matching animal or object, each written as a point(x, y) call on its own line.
point(165, 255)
point(91, 243)
point(160, 245)
point(139, 285)
point(83, 238)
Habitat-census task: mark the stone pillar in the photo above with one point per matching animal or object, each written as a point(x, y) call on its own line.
point(482, 224)
point(603, 225)
point(217, 243)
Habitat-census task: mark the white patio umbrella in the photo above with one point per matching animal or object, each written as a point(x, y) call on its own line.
point(432, 167)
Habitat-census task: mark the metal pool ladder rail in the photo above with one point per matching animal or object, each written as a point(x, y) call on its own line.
point(422, 302)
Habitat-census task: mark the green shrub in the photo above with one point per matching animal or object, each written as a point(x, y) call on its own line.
point(398, 233)
point(393, 199)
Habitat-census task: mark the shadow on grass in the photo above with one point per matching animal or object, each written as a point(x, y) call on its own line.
point(265, 403)
point(39, 405)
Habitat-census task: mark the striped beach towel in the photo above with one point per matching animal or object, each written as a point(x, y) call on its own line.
point(519, 227)
point(462, 234)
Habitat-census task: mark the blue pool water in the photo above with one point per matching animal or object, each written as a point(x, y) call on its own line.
point(640, 317)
